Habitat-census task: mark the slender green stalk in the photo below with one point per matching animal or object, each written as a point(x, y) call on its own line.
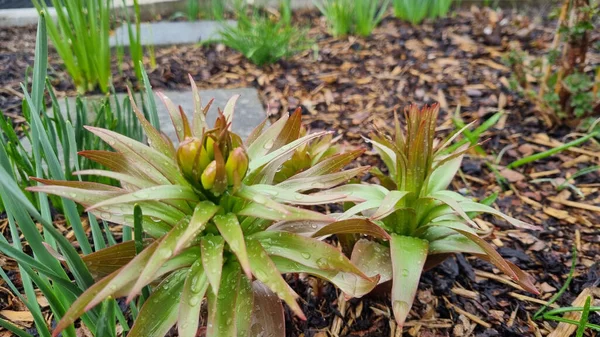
point(550, 152)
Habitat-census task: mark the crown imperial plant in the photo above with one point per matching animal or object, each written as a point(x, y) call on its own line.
point(208, 206)
point(425, 222)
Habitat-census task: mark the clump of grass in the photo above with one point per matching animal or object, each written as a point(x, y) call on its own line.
point(415, 11)
point(352, 16)
point(263, 39)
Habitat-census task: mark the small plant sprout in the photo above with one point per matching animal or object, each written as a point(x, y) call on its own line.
point(207, 205)
point(426, 222)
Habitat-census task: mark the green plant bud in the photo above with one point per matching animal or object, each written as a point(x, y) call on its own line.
point(208, 175)
point(186, 155)
point(236, 162)
point(202, 161)
point(210, 150)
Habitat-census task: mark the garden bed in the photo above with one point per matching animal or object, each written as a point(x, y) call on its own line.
point(350, 85)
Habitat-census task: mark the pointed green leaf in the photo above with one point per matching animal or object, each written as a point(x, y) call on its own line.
point(174, 113)
point(212, 259)
point(353, 226)
point(408, 258)
point(155, 193)
point(263, 143)
point(292, 213)
point(243, 307)
point(159, 312)
point(266, 272)
point(194, 288)
point(392, 202)
point(332, 164)
point(308, 251)
point(203, 212)
point(230, 230)
point(282, 151)
point(351, 284)
point(470, 206)
point(229, 108)
point(222, 313)
point(290, 197)
point(155, 139)
point(373, 259)
point(322, 182)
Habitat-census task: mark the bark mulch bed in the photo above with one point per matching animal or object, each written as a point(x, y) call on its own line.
point(351, 85)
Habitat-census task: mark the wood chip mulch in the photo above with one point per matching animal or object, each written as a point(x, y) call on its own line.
point(350, 85)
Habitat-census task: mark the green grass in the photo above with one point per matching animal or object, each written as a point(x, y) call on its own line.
point(262, 39)
point(415, 11)
point(352, 16)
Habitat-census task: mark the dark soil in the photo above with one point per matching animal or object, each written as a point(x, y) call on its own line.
point(350, 85)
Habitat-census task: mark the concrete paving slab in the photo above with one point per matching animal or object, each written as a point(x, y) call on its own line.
point(249, 111)
point(171, 33)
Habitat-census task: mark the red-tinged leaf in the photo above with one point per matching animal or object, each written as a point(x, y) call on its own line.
point(155, 139)
point(408, 258)
point(126, 275)
point(332, 164)
point(212, 259)
point(155, 193)
point(83, 196)
point(264, 142)
point(111, 285)
point(353, 226)
point(351, 284)
point(373, 259)
point(124, 179)
point(493, 255)
point(85, 185)
point(222, 314)
point(220, 184)
point(322, 182)
point(108, 260)
point(203, 212)
point(267, 317)
point(194, 288)
point(291, 213)
point(158, 167)
point(230, 230)
point(174, 113)
point(116, 162)
point(470, 206)
point(308, 251)
point(229, 108)
point(393, 201)
point(258, 130)
point(266, 272)
point(159, 312)
point(290, 131)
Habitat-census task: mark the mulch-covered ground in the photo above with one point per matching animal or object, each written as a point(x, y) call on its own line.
point(351, 85)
